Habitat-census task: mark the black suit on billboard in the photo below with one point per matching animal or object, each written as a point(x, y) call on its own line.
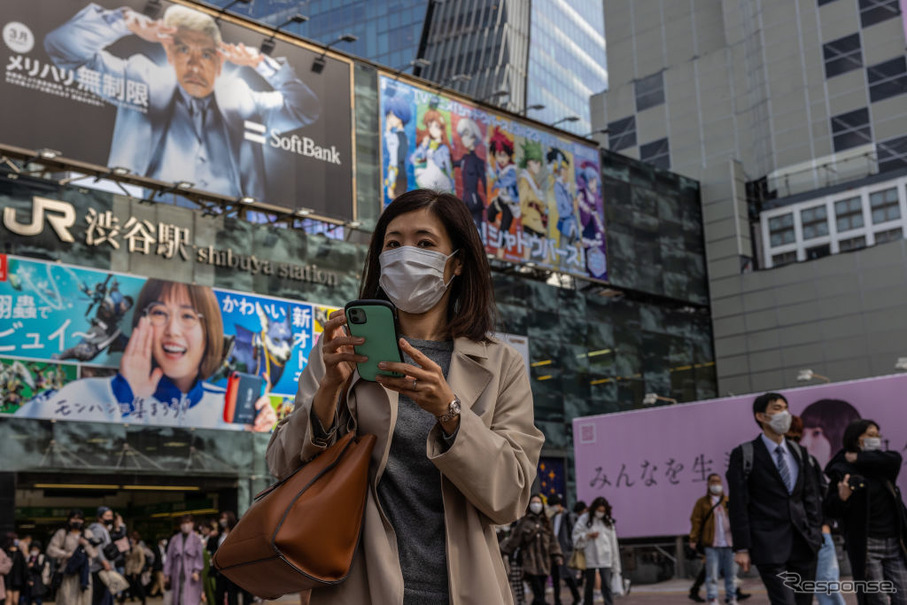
point(781, 530)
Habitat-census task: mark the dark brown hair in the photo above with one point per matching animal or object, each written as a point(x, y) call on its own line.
point(833, 416)
point(854, 431)
point(203, 301)
point(471, 311)
point(596, 504)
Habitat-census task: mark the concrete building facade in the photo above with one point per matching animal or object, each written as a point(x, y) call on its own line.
point(791, 115)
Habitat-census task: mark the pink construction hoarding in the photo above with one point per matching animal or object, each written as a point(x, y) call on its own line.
point(652, 465)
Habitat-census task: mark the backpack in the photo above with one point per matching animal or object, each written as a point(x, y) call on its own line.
point(747, 449)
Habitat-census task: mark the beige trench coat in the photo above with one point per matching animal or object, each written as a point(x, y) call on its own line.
point(487, 473)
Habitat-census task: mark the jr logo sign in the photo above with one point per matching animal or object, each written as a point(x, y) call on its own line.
point(60, 215)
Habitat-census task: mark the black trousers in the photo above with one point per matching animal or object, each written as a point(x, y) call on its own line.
point(99, 593)
point(589, 588)
point(561, 571)
point(223, 587)
point(136, 590)
point(778, 593)
point(537, 584)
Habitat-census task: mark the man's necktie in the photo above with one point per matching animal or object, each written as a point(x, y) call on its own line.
point(783, 469)
point(198, 117)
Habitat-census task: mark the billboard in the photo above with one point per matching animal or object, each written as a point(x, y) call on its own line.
point(643, 459)
point(179, 97)
point(535, 196)
point(72, 346)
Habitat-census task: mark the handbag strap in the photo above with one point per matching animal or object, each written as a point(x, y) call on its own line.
point(706, 518)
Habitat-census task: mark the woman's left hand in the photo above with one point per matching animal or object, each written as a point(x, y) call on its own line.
point(424, 383)
point(266, 417)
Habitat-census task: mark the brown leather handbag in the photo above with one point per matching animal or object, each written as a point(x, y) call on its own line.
point(302, 532)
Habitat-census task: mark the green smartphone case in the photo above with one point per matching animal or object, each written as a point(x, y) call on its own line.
point(380, 333)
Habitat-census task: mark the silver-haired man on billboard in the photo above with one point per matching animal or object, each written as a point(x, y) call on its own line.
point(185, 121)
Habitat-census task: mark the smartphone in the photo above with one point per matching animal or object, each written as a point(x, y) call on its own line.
point(243, 390)
point(376, 322)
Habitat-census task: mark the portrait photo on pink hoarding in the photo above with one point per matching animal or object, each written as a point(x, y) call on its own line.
point(644, 459)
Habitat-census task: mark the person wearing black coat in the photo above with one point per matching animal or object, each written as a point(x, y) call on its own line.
point(863, 495)
point(774, 506)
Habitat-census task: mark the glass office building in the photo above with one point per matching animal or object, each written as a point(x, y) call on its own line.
point(388, 32)
point(546, 53)
point(566, 61)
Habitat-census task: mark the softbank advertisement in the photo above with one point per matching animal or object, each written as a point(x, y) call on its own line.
point(178, 94)
point(643, 459)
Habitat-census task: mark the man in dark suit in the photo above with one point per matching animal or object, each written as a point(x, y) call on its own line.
point(774, 505)
point(562, 522)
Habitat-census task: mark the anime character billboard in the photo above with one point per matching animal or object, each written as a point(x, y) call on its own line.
point(534, 196)
point(83, 344)
point(178, 95)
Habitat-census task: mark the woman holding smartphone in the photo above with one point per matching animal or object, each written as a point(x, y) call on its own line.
point(456, 449)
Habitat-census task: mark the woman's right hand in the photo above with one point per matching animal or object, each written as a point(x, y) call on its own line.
point(844, 491)
point(135, 366)
point(592, 535)
point(339, 364)
point(337, 351)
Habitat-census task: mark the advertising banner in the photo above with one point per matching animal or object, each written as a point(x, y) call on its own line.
point(84, 344)
point(642, 460)
point(179, 96)
point(535, 197)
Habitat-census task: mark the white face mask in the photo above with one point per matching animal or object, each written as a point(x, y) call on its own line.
point(535, 507)
point(599, 514)
point(780, 422)
point(716, 489)
point(413, 278)
point(871, 444)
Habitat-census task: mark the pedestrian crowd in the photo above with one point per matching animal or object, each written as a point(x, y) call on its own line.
point(102, 562)
point(782, 510)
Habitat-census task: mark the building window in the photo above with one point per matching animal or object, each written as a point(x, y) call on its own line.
point(650, 91)
point(785, 258)
point(842, 55)
point(818, 252)
point(849, 214)
point(889, 235)
point(892, 154)
point(814, 221)
point(876, 11)
point(622, 134)
point(887, 79)
point(657, 153)
point(885, 206)
point(851, 129)
point(781, 230)
point(854, 243)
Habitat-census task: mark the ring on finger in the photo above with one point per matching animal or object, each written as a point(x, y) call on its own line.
point(415, 383)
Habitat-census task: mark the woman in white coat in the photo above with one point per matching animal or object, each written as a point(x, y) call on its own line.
point(594, 532)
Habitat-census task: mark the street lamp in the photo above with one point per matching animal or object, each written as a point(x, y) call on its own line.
point(455, 78)
point(535, 107)
point(595, 132)
point(652, 398)
point(495, 94)
point(318, 65)
point(567, 119)
point(420, 63)
point(807, 375)
point(267, 46)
